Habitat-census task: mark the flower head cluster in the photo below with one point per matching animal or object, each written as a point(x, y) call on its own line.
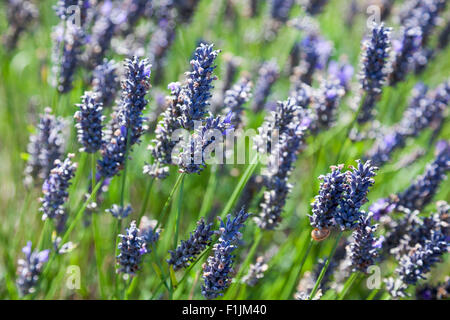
point(206, 138)
point(89, 126)
point(341, 197)
point(55, 188)
point(314, 54)
point(325, 103)
point(105, 82)
point(342, 71)
point(327, 201)
point(100, 39)
point(374, 69)
point(133, 102)
point(131, 248)
point(404, 51)
point(113, 154)
point(119, 212)
point(218, 270)
point(256, 272)
point(197, 92)
point(45, 146)
point(422, 190)
point(359, 180)
point(267, 75)
point(235, 98)
point(149, 232)
point(188, 250)
point(417, 262)
point(314, 7)
point(280, 9)
point(30, 268)
point(364, 250)
point(20, 14)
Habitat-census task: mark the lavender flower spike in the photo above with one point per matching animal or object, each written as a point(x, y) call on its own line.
point(119, 212)
point(422, 190)
point(45, 147)
point(30, 268)
point(235, 98)
point(364, 250)
point(326, 202)
point(89, 124)
point(355, 195)
point(113, 154)
point(256, 272)
point(149, 232)
point(187, 250)
point(374, 69)
point(325, 104)
point(133, 102)
point(198, 87)
point(105, 82)
point(21, 14)
point(218, 270)
point(268, 74)
point(131, 247)
point(55, 188)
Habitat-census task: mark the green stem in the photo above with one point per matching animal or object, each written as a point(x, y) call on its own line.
point(180, 200)
point(167, 203)
point(325, 267)
point(300, 268)
point(348, 285)
point(209, 196)
point(146, 199)
point(373, 294)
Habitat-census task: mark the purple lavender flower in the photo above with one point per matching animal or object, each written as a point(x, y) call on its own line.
point(235, 98)
point(422, 190)
point(188, 250)
point(280, 165)
point(364, 250)
point(20, 14)
point(374, 69)
point(159, 46)
point(440, 291)
point(30, 268)
point(404, 52)
point(359, 180)
point(89, 125)
point(55, 188)
point(131, 247)
point(149, 232)
point(444, 37)
point(384, 146)
point(314, 7)
point(255, 272)
point(197, 150)
point(218, 270)
point(45, 147)
point(280, 9)
point(381, 207)
point(341, 71)
point(113, 154)
point(268, 74)
point(119, 212)
point(197, 91)
point(315, 52)
point(325, 103)
point(133, 102)
point(326, 202)
point(100, 40)
point(105, 82)
point(419, 261)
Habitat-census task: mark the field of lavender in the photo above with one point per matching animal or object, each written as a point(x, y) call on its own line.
point(226, 149)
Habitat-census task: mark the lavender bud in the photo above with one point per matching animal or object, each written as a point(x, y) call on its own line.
point(218, 270)
point(280, 9)
point(55, 188)
point(188, 250)
point(364, 250)
point(256, 272)
point(119, 212)
point(359, 180)
point(325, 103)
point(326, 202)
point(113, 154)
point(197, 91)
point(374, 69)
point(268, 74)
point(149, 232)
point(30, 268)
point(89, 125)
point(45, 147)
point(131, 248)
point(133, 102)
point(105, 82)
point(235, 98)
point(20, 14)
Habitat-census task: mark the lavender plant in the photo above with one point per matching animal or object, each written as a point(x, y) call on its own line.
point(89, 125)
